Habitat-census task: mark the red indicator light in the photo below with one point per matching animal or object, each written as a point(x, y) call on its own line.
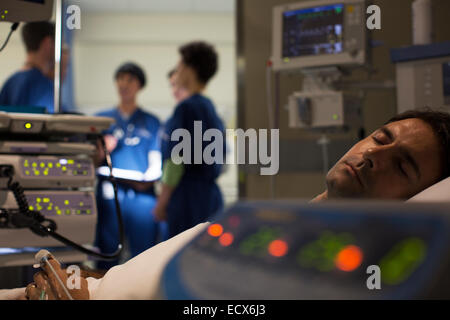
point(215, 230)
point(226, 239)
point(278, 248)
point(349, 258)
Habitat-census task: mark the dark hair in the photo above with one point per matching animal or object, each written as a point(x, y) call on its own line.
point(34, 32)
point(440, 122)
point(171, 73)
point(132, 69)
point(201, 57)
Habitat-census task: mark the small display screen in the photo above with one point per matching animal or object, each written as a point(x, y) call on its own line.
point(35, 1)
point(446, 82)
point(313, 31)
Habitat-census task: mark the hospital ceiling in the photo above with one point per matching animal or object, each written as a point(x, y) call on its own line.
point(220, 6)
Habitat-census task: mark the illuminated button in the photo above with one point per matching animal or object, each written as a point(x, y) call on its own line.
point(46, 200)
point(349, 9)
point(49, 208)
point(56, 207)
point(58, 165)
point(67, 211)
point(75, 172)
point(78, 166)
point(42, 164)
point(64, 168)
point(38, 208)
point(66, 202)
point(85, 173)
point(88, 211)
point(215, 230)
point(58, 212)
point(278, 248)
point(36, 172)
point(78, 211)
point(226, 239)
point(34, 164)
point(81, 204)
point(27, 172)
point(26, 164)
point(31, 208)
point(45, 173)
point(50, 165)
point(38, 200)
point(70, 161)
point(28, 125)
point(349, 258)
point(335, 117)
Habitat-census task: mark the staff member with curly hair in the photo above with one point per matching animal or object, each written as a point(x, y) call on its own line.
point(189, 193)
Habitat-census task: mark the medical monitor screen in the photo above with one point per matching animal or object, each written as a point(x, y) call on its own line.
point(446, 82)
point(313, 31)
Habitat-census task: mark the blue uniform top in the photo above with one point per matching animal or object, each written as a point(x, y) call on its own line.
point(137, 155)
point(195, 108)
point(29, 88)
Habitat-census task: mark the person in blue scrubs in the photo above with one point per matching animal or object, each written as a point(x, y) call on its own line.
point(189, 193)
point(133, 142)
point(32, 86)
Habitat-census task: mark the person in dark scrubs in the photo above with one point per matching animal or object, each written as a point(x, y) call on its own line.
point(189, 193)
point(32, 86)
point(134, 145)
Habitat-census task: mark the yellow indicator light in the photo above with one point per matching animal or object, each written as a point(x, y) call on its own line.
point(42, 164)
point(56, 207)
point(286, 60)
point(84, 173)
point(27, 172)
point(70, 161)
point(38, 208)
point(38, 200)
point(81, 204)
point(75, 172)
point(45, 173)
point(335, 117)
point(26, 164)
point(58, 212)
point(46, 200)
point(78, 166)
point(58, 165)
point(49, 208)
point(88, 211)
point(28, 125)
point(67, 211)
point(31, 208)
point(78, 211)
point(36, 173)
point(50, 165)
point(34, 164)
point(64, 168)
point(66, 202)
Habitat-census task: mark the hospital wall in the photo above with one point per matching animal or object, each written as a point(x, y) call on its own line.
point(254, 34)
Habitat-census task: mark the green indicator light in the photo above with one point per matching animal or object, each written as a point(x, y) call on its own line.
point(50, 165)
point(28, 125)
point(286, 59)
point(335, 117)
point(81, 204)
point(88, 211)
point(338, 10)
point(78, 211)
point(84, 173)
point(75, 172)
point(67, 211)
point(402, 260)
point(66, 202)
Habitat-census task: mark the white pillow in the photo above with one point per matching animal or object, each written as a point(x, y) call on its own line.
point(439, 192)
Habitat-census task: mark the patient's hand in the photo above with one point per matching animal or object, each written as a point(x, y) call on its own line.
point(47, 287)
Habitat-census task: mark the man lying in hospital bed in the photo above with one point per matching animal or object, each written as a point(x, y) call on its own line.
point(407, 158)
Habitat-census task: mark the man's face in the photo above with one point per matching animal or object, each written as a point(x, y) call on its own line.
point(396, 161)
point(127, 86)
